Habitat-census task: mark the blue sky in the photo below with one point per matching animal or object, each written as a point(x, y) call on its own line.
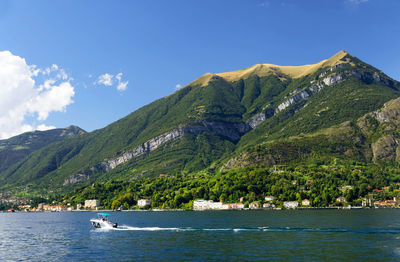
point(159, 45)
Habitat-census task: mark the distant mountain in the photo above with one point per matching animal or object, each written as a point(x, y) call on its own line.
point(265, 114)
point(18, 147)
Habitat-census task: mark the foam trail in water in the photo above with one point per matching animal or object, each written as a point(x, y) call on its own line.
point(255, 229)
point(129, 228)
point(178, 229)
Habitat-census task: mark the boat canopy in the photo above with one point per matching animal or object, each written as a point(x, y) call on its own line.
point(103, 214)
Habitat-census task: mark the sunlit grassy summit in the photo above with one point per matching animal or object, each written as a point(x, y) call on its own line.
point(262, 70)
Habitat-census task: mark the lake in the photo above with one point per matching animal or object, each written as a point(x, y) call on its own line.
point(296, 235)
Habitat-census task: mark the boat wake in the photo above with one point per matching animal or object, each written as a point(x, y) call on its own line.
point(255, 229)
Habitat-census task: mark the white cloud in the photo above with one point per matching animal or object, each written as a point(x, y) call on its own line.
point(43, 127)
point(119, 77)
point(122, 86)
point(109, 80)
point(61, 74)
point(22, 97)
point(54, 98)
point(106, 79)
point(178, 86)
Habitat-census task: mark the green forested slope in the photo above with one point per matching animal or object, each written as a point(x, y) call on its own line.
point(18, 147)
point(298, 105)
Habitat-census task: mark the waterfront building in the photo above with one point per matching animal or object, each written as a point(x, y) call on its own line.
point(237, 206)
point(226, 206)
point(208, 204)
point(386, 203)
point(144, 202)
point(305, 202)
point(92, 203)
point(202, 204)
point(290, 204)
point(215, 205)
point(254, 205)
point(366, 202)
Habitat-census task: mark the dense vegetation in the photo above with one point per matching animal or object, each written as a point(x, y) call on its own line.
point(320, 182)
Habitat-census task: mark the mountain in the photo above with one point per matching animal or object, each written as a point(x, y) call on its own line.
point(265, 114)
point(18, 147)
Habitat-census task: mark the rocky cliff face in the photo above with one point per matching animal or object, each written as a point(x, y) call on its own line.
point(76, 179)
point(386, 147)
point(325, 79)
point(254, 121)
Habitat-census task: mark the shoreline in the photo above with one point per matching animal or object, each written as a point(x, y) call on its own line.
point(183, 210)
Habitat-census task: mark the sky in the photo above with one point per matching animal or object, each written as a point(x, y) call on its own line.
point(89, 63)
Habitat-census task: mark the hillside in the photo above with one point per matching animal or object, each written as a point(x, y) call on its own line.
point(18, 147)
point(220, 120)
point(372, 138)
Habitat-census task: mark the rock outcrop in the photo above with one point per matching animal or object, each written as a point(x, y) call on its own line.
point(385, 148)
point(254, 121)
point(76, 179)
point(296, 98)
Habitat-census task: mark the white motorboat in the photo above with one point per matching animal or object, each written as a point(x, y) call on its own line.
point(102, 221)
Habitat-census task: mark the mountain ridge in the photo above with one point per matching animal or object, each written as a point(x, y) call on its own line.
point(16, 148)
point(267, 69)
point(194, 128)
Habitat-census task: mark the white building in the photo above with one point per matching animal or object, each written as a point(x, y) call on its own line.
point(267, 205)
point(226, 206)
point(254, 205)
point(215, 205)
point(211, 205)
point(207, 205)
point(305, 202)
point(144, 202)
point(269, 198)
point(237, 206)
point(341, 200)
point(290, 204)
point(201, 204)
point(92, 203)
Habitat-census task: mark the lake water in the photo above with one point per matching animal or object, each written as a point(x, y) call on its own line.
point(312, 235)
